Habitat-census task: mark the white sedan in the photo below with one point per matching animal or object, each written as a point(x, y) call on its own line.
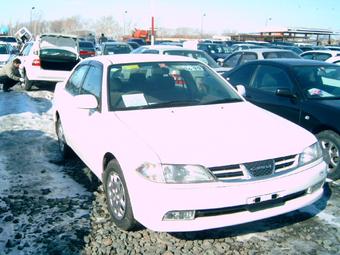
point(178, 149)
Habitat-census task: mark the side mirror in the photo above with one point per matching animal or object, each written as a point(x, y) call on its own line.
point(241, 90)
point(283, 92)
point(86, 102)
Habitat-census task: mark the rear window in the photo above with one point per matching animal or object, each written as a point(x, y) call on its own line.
point(3, 49)
point(280, 54)
point(86, 44)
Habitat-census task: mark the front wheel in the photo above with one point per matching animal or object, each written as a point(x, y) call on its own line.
point(64, 149)
point(330, 144)
point(117, 197)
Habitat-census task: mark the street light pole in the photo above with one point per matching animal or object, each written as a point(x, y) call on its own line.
point(124, 21)
point(203, 15)
point(31, 14)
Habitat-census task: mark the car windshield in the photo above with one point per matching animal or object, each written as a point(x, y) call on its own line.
point(319, 82)
point(3, 49)
point(116, 49)
point(202, 56)
point(166, 84)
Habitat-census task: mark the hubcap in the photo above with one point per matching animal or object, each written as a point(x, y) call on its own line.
point(116, 195)
point(332, 154)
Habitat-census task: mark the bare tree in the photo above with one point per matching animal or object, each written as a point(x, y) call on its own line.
point(108, 26)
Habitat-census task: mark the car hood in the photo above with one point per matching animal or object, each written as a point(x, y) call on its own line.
point(216, 134)
point(59, 41)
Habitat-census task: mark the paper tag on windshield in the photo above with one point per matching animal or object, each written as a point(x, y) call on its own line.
point(134, 100)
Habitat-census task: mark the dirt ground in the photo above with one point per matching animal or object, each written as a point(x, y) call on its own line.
point(48, 206)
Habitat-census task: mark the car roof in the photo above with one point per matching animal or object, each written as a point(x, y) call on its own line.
point(262, 50)
point(291, 62)
point(161, 47)
point(115, 43)
point(139, 58)
point(333, 52)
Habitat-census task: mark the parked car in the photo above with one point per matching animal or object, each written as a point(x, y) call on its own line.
point(244, 46)
point(6, 51)
point(10, 40)
point(110, 48)
point(243, 56)
point(215, 50)
point(333, 60)
point(180, 51)
point(48, 59)
point(133, 45)
point(86, 49)
point(293, 48)
point(322, 55)
point(177, 148)
point(303, 91)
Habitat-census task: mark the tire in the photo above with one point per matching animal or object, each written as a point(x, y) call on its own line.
point(117, 197)
point(65, 151)
point(27, 83)
point(330, 144)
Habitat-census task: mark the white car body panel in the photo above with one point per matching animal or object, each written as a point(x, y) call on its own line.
point(209, 135)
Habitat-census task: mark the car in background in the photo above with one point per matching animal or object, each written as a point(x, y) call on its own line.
point(182, 156)
point(133, 45)
point(180, 51)
point(86, 49)
point(10, 40)
point(321, 55)
point(110, 48)
point(244, 46)
point(303, 91)
point(293, 48)
point(334, 60)
point(6, 53)
point(215, 50)
point(48, 59)
point(333, 47)
point(243, 56)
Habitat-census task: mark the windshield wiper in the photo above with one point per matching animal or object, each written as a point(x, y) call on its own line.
point(175, 103)
point(224, 100)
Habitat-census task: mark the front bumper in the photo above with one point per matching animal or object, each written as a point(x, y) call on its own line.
point(225, 204)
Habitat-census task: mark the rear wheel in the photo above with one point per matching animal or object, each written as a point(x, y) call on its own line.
point(330, 144)
point(27, 83)
point(64, 149)
point(117, 197)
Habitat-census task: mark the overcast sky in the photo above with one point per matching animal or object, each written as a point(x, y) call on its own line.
point(211, 15)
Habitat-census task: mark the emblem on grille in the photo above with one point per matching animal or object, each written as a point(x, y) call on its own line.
point(260, 168)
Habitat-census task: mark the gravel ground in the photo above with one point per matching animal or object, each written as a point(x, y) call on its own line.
point(48, 206)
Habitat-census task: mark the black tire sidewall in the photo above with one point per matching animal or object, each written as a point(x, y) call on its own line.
point(127, 222)
point(66, 152)
point(27, 83)
point(334, 138)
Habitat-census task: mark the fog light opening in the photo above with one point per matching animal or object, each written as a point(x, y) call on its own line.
point(180, 215)
point(315, 187)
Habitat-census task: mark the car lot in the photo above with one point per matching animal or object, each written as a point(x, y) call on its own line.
point(27, 124)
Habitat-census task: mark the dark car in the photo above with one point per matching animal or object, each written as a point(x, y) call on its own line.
point(110, 48)
point(86, 49)
point(306, 92)
point(215, 50)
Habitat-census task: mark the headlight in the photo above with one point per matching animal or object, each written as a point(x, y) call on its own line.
point(175, 173)
point(310, 154)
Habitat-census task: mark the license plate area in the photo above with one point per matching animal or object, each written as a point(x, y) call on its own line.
point(266, 201)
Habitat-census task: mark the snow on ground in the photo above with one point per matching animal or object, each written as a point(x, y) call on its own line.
point(38, 201)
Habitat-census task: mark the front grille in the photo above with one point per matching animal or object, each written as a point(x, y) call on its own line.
point(284, 163)
point(254, 169)
point(227, 172)
point(260, 168)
